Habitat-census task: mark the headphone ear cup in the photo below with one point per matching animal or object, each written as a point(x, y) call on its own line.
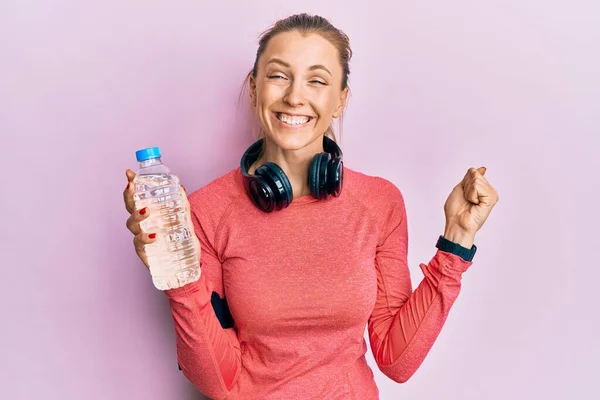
point(279, 182)
point(336, 177)
point(313, 173)
point(323, 175)
point(261, 193)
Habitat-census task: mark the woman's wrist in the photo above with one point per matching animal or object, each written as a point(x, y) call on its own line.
point(459, 236)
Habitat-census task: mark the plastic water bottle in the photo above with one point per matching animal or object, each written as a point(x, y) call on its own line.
point(172, 256)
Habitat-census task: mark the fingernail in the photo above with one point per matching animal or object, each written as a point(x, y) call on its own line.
point(152, 235)
point(143, 211)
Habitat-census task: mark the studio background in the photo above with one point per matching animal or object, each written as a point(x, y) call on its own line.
point(436, 87)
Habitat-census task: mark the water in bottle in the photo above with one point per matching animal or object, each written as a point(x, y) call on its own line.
point(172, 256)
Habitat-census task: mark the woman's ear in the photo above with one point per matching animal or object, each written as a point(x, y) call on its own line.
point(252, 89)
point(343, 101)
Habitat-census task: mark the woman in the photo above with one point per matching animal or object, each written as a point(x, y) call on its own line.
point(309, 252)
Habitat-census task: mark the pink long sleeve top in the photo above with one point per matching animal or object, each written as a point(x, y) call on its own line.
point(300, 285)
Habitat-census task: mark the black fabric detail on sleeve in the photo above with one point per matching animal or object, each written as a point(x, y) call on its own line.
point(221, 310)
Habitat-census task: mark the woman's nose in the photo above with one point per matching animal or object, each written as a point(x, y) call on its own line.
point(294, 95)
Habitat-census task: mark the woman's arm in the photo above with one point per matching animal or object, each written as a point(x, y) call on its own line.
point(405, 324)
point(208, 354)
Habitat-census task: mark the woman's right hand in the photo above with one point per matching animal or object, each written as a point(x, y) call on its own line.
point(141, 239)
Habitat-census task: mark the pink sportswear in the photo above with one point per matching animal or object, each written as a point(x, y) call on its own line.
point(301, 285)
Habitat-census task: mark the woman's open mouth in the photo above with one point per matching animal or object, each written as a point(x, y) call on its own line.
point(293, 120)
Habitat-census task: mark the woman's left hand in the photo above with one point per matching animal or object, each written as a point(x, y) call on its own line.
point(468, 207)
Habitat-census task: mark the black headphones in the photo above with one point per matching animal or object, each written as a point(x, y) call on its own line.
point(270, 188)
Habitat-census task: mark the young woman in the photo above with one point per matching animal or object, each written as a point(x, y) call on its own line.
point(299, 253)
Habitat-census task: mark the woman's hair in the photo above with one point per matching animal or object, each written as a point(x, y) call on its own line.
point(307, 24)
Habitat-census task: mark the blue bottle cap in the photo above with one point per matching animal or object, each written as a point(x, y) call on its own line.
point(147, 154)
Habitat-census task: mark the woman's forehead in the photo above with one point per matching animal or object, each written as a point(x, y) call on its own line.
point(299, 50)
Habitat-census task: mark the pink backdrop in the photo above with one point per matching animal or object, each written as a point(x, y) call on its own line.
point(437, 87)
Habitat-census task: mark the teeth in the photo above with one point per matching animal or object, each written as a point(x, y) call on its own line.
point(288, 119)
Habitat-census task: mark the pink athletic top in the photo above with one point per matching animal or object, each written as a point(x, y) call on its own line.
point(301, 285)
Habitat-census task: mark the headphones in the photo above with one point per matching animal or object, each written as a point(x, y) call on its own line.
point(270, 188)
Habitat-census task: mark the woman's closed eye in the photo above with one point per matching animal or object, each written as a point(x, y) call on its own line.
point(276, 76)
point(282, 77)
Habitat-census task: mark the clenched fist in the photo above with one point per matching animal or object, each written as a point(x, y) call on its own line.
point(468, 207)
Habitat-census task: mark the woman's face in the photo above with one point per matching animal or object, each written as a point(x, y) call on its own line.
point(297, 89)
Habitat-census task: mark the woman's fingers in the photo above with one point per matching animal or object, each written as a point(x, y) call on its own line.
point(137, 216)
point(139, 243)
point(128, 192)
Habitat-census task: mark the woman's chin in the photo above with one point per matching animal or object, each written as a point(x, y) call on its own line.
point(294, 141)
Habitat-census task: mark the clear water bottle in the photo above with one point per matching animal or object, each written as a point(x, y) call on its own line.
point(172, 256)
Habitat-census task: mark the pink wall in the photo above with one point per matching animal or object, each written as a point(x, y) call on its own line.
point(437, 87)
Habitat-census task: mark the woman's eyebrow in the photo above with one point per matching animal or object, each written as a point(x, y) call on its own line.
point(287, 65)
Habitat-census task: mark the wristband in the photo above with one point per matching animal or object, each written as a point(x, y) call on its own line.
point(454, 248)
